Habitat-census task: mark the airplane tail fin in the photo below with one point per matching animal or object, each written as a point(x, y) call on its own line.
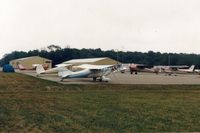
point(39, 69)
point(192, 68)
point(63, 72)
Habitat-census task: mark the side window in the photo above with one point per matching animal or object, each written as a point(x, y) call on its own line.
point(47, 61)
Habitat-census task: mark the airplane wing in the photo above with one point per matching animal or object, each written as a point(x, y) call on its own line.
point(98, 70)
point(63, 65)
point(94, 67)
point(59, 67)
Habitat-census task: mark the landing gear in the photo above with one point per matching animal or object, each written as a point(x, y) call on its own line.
point(94, 79)
point(100, 80)
point(136, 73)
point(61, 80)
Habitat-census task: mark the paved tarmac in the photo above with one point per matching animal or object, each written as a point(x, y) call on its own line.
point(127, 78)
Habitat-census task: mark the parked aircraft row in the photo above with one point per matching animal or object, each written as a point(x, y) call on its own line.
point(99, 72)
point(96, 72)
point(135, 68)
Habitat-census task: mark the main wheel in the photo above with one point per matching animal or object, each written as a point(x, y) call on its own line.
point(136, 73)
point(94, 78)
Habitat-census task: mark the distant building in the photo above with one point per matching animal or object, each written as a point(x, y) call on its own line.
point(93, 61)
point(28, 62)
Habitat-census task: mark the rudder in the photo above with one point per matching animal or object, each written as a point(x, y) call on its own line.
point(39, 69)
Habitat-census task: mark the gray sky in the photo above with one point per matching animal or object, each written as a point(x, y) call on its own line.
point(134, 25)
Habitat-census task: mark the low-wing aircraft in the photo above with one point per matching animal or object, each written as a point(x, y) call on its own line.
point(155, 70)
point(197, 71)
point(169, 70)
point(21, 67)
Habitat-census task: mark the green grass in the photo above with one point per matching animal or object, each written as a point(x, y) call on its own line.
point(28, 104)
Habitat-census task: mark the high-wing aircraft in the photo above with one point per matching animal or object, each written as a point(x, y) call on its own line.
point(174, 70)
point(83, 71)
point(40, 69)
point(189, 70)
point(135, 68)
point(171, 70)
point(97, 72)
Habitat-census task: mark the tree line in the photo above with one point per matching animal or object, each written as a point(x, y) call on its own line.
point(150, 58)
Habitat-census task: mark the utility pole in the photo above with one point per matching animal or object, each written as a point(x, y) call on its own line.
point(117, 55)
point(169, 63)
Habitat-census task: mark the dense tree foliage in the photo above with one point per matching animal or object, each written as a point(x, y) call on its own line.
point(59, 55)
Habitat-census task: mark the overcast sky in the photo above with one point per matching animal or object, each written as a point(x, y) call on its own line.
point(134, 25)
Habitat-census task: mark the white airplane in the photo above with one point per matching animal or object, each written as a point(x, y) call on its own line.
point(21, 67)
point(89, 71)
point(197, 71)
point(40, 69)
point(175, 71)
point(85, 71)
point(33, 67)
point(122, 68)
point(155, 70)
point(189, 70)
point(168, 71)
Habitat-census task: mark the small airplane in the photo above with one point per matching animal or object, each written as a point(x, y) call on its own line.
point(175, 68)
point(21, 67)
point(135, 68)
point(189, 70)
point(155, 70)
point(197, 71)
point(89, 71)
point(40, 69)
point(85, 71)
point(168, 71)
point(173, 71)
point(122, 68)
